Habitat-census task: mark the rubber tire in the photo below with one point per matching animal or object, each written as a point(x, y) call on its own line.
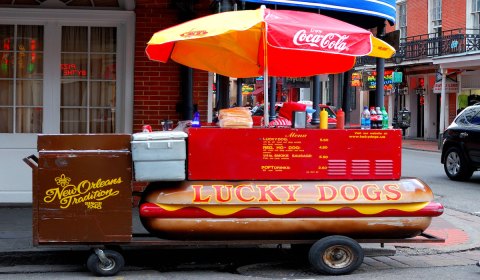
point(321, 260)
point(96, 267)
point(454, 159)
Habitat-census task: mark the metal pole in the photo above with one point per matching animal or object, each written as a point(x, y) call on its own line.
point(223, 82)
point(187, 92)
point(442, 102)
point(380, 63)
point(346, 96)
point(239, 92)
point(273, 99)
point(210, 98)
point(316, 100)
point(223, 91)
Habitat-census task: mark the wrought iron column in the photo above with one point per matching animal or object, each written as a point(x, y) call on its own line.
point(379, 98)
point(223, 94)
point(239, 92)
point(316, 100)
point(346, 102)
point(187, 92)
point(272, 99)
point(442, 103)
point(223, 82)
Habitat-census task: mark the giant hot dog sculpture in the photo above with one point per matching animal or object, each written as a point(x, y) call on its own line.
point(288, 209)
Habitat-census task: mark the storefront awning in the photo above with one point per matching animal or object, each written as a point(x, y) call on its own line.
point(381, 9)
point(257, 91)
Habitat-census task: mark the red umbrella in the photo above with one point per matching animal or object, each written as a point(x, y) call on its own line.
point(266, 42)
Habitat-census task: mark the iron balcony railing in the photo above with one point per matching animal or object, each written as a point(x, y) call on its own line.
point(456, 41)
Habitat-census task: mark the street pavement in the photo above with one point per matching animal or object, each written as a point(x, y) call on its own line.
point(461, 232)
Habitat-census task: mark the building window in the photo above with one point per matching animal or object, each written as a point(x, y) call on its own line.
point(436, 16)
point(88, 73)
point(476, 15)
point(434, 44)
point(402, 19)
point(21, 79)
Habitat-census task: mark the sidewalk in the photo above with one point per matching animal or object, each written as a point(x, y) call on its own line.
point(420, 144)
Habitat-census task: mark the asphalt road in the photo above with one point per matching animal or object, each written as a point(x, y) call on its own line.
point(460, 196)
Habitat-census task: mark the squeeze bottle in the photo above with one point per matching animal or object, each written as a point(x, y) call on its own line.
point(323, 119)
point(340, 119)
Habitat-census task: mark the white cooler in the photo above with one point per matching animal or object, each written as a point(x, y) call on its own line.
point(159, 156)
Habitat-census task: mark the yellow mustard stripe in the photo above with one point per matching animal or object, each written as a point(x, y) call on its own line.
point(225, 210)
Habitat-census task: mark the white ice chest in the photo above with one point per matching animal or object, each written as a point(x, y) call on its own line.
point(159, 156)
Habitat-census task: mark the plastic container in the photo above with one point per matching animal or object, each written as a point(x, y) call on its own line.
point(384, 118)
point(340, 119)
point(365, 122)
point(373, 118)
point(196, 120)
point(379, 117)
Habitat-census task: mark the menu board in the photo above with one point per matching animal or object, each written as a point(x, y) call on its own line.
point(293, 154)
point(282, 152)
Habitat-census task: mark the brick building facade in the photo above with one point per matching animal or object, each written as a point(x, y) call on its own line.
point(157, 85)
point(440, 40)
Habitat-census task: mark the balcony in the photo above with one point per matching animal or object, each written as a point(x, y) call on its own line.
point(427, 46)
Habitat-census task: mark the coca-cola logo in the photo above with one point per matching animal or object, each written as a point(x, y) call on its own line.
point(331, 41)
point(194, 33)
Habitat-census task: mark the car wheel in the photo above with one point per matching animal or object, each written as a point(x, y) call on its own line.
point(456, 166)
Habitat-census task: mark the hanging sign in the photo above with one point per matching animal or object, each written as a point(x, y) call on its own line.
point(450, 86)
point(356, 79)
point(397, 77)
point(247, 88)
point(370, 80)
point(299, 82)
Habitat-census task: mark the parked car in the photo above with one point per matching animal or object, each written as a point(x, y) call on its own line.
point(461, 145)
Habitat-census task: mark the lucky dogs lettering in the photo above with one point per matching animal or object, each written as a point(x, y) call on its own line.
point(292, 193)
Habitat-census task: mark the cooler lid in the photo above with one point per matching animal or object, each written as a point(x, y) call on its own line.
point(159, 135)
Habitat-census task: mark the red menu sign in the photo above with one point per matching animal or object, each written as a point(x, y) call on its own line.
point(293, 154)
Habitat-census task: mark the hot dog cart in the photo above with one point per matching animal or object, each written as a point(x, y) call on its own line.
point(328, 189)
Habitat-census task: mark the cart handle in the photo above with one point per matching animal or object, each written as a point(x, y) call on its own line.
point(32, 161)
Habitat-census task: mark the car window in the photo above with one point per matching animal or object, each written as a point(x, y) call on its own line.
point(475, 120)
point(470, 116)
point(331, 114)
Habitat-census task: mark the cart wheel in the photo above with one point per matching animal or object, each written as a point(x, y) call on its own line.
point(105, 262)
point(336, 255)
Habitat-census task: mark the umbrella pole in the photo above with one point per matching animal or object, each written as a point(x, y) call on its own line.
point(265, 97)
point(265, 78)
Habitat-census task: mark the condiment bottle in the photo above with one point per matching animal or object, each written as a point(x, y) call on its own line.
point(323, 119)
point(340, 119)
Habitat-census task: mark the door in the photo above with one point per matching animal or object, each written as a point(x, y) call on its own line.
point(471, 134)
point(420, 114)
point(63, 72)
